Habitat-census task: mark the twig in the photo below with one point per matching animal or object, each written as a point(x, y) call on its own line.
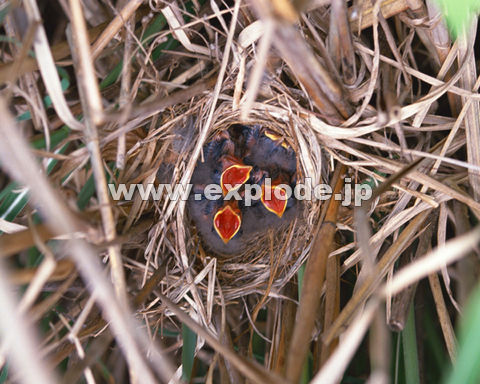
point(334, 368)
point(372, 281)
point(114, 26)
point(16, 158)
point(312, 284)
point(401, 303)
point(249, 369)
point(340, 39)
point(445, 322)
point(472, 118)
point(47, 67)
point(20, 339)
point(93, 113)
point(432, 262)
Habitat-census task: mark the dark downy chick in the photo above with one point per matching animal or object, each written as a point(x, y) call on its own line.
point(238, 225)
point(267, 151)
point(203, 214)
point(207, 171)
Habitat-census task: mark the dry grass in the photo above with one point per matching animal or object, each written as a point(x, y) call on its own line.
point(113, 291)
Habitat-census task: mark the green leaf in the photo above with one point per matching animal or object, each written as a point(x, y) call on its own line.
point(410, 354)
point(4, 374)
point(459, 13)
point(466, 369)
point(300, 274)
point(188, 352)
point(65, 82)
point(86, 193)
point(13, 199)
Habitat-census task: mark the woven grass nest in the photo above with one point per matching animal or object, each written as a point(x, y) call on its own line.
point(372, 90)
point(272, 257)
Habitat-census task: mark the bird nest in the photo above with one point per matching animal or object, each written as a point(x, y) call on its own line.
point(268, 259)
point(376, 88)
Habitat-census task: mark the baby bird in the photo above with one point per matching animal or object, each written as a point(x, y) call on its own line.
point(274, 199)
point(256, 219)
point(221, 145)
point(243, 155)
point(267, 150)
point(274, 194)
point(219, 224)
point(233, 173)
point(227, 221)
point(229, 173)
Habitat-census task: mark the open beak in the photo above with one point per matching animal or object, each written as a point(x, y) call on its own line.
point(234, 176)
point(227, 222)
point(276, 200)
point(277, 139)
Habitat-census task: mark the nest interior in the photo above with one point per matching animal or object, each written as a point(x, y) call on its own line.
point(271, 258)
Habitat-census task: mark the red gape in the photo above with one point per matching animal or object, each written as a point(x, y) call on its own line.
point(232, 158)
point(227, 222)
point(235, 174)
point(273, 203)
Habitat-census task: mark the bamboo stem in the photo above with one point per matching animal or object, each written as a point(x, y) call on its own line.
point(314, 278)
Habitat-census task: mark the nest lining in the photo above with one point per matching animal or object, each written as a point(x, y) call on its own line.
point(270, 260)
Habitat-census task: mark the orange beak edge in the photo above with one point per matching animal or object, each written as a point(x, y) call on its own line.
point(227, 223)
point(275, 205)
point(235, 175)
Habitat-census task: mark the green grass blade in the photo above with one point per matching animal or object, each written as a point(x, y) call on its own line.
point(4, 374)
point(459, 14)
point(14, 201)
point(86, 193)
point(467, 368)
point(188, 352)
point(410, 354)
